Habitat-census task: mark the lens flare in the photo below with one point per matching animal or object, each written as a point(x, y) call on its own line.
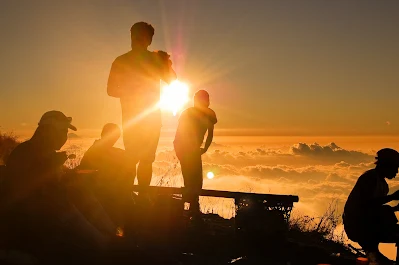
point(174, 96)
point(210, 175)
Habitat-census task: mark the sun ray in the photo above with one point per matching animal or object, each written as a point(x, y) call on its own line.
point(140, 116)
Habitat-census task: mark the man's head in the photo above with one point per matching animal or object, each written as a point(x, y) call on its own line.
point(110, 134)
point(141, 34)
point(53, 128)
point(388, 162)
point(201, 99)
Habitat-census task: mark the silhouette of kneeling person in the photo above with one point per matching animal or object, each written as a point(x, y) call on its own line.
point(194, 123)
point(367, 219)
point(112, 183)
point(36, 199)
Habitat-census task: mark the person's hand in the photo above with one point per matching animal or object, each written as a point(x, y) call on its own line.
point(163, 55)
point(395, 195)
point(202, 151)
point(58, 159)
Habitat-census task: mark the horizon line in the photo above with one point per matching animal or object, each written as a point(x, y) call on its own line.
point(93, 133)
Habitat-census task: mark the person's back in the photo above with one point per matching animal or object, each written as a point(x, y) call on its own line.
point(358, 212)
point(369, 185)
point(135, 76)
point(138, 85)
point(109, 161)
point(105, 159)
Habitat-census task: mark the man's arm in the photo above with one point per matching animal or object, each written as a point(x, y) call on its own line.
point(170, 74)
point(382, 200)
point(385, 199)
point(167, 73)
point(113, 86)
point(209, 139)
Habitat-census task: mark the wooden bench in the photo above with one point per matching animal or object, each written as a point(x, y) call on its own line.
point(242, 200)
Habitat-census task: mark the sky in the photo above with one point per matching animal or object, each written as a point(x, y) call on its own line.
point(271, 67)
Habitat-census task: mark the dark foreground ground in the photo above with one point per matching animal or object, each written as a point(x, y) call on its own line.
point(164, 234)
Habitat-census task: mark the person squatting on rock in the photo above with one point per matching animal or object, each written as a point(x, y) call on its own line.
point(367, 218)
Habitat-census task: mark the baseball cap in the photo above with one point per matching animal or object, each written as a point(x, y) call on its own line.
point(57, 119)
point(388, 155)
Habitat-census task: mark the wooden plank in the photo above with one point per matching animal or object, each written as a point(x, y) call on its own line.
point(220, 193)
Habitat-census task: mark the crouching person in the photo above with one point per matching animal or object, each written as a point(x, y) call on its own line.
point(111, 183)
point(35, 202)
point(367, 219)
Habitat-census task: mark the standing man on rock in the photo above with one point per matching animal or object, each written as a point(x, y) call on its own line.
point(135, 79)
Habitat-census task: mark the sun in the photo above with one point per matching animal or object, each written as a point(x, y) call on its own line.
point(174, 96)
point(210, 175)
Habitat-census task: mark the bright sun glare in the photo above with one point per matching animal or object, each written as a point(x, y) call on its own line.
point(174, 96)
point(210, 175)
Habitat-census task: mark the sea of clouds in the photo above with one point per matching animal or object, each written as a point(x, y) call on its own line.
point(318, 174)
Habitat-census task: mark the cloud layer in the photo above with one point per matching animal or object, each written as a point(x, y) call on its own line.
point(316, 173)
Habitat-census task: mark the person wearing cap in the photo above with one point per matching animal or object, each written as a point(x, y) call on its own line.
point(35, 200)
point(38, 156)
point(367, 218)
point(194, 123)
point(111, 179)
point(135, 79)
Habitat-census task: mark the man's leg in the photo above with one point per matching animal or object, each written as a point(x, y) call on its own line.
point(197, 179)
point(185, 166)
point(131, 141)
point(149, 141)
point(191, 166)
point(144, 173)
point(373, 236)
point(389, 233)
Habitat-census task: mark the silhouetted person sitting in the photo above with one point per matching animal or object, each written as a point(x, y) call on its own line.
point(135, 79)
point(36, 201)
point(194, 122)
point(367, 218)
point(112, 183)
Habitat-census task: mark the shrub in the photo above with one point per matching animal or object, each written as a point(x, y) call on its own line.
point(8, 141)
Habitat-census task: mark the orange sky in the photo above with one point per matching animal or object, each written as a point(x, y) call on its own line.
point(271, 67)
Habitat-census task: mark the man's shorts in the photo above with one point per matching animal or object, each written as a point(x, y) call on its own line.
point(141, 139)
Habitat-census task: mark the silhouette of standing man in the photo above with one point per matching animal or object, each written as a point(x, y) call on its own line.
point(135, 79)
